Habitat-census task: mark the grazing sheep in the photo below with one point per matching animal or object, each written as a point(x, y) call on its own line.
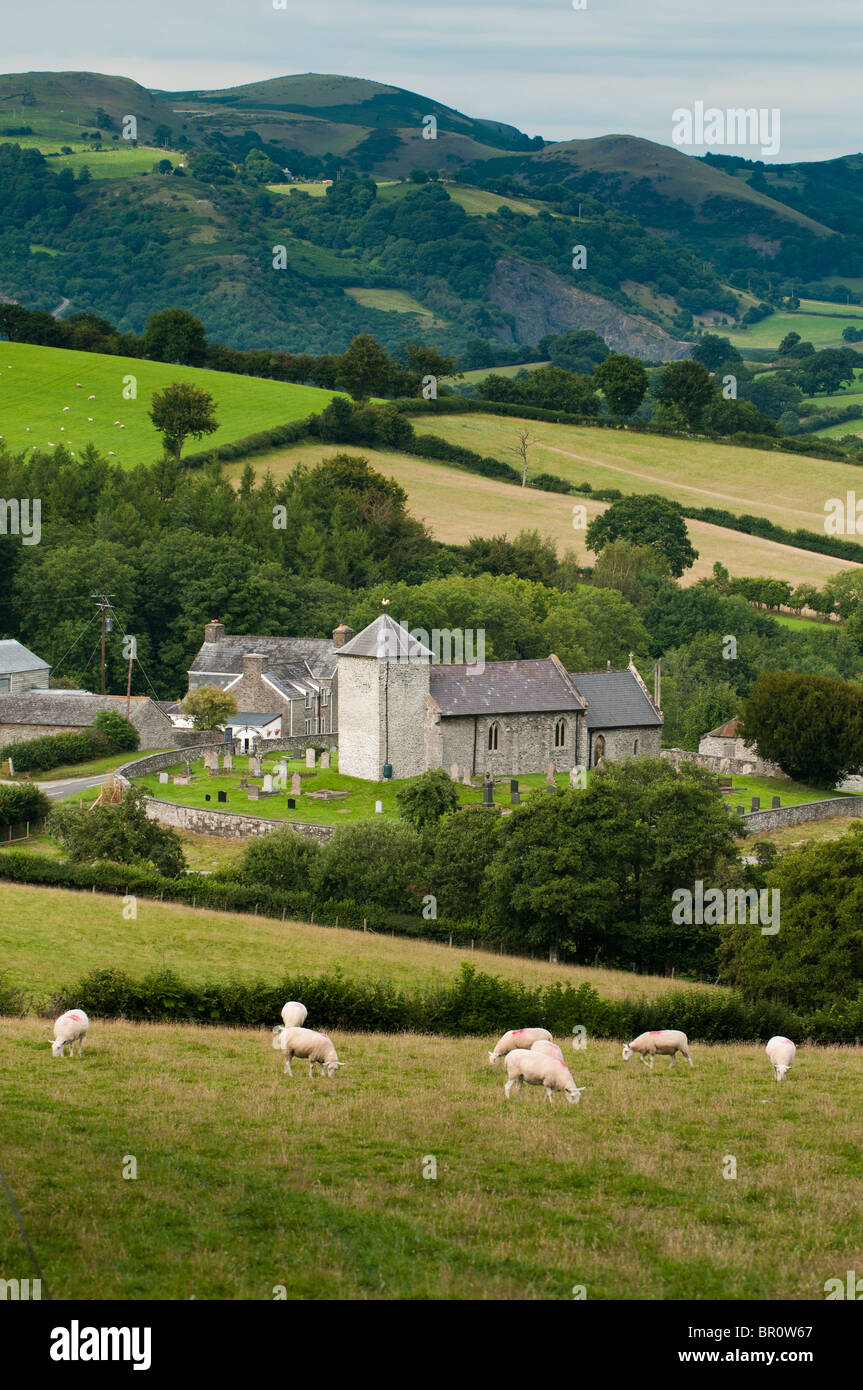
point(666, 1041)
point(66, 407)
point(781, 1053)
point(294, 1015)
point(91, 398)
point(69, 1029)
point(518, 1037)
point(550, 1049)
point(305, 1042)
point(539, 1069)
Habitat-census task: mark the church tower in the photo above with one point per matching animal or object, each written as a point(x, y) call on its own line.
point(383, 688)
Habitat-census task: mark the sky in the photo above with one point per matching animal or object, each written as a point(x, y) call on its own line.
point(612, 67)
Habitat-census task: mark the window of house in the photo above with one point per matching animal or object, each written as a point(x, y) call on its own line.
point(308, 726)
point(5, 683)
point(493, 737)
point(560, 734)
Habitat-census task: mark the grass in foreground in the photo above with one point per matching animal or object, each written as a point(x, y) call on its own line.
point(50, 937)
point(247, 1180)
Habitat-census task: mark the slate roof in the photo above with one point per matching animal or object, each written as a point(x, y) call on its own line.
point(246, 717)
point(615, 700)
point(385, 639)
point(14, 656)
point(71, 709)
point(226, 656)
point(504, 687)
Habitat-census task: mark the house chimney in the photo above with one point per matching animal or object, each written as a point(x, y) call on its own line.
point(253, 664)
point(341, 635)
point(214, 631)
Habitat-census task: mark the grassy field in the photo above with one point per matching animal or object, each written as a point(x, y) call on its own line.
point(37, 382)
point(803, 624)
point(88, 769)
point(789, 793)
point(811, 832)
point(623, 1194)
point(822, 326)
point(49, 937)
point(457, 505)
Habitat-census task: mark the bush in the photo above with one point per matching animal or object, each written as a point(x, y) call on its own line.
point(21, 802)
point(122, 834)
point(122, 736)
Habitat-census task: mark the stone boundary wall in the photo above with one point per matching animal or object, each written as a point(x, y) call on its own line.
point(157, 762)
point(725, 767)
point(806, 811)
point(290, 743)
point(232, 824)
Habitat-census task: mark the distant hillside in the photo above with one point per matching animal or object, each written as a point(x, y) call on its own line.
point(479, 255)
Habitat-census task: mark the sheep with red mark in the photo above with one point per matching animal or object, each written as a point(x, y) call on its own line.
point(518, 1037)
point(69, 1029)
point(539, 1069)
point(294, 1014)
point(550, 1049)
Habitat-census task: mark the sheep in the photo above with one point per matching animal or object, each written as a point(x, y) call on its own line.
point(69, 1029)
point(662, 1040)
point(539, 1069)
point(550, 1049)
point(305, 1042)
point(294, 1015)
point(781, 1053)
point(518, 1037)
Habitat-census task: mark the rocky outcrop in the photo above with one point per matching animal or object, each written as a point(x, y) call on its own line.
point(542, 302)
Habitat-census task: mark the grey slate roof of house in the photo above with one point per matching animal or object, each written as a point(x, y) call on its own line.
point(385, 639)
point(16, 657)
point(226, 657)
point(504, 687)
point(72, 709)
point(247, 717)
point(615, 700)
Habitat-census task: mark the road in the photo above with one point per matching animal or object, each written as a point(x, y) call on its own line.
point(57, 791)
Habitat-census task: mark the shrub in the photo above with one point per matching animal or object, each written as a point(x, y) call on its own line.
point(122, 736)
point(21, 802)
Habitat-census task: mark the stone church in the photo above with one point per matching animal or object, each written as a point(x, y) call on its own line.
point(400, 714)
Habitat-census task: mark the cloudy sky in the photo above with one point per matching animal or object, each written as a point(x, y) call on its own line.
point(553, 70)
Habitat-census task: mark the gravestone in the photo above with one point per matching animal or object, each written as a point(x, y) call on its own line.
point(776, 803)
point(268, 782)
point(283, 770)
point(222, 796)
point(254, 793)
point(163, 777)
point(379, 808)
point(756, 803)
point(488, 790)
point(244, 783)
point(325, 760)
point(549, 775)
point(576, 778)
point(206, 796)
point(453, 772)
point(310, 757)
point(228, 762)
point(254, 765)
point(296, 784)
point(741, 810)
point(187, 770)
point(514, 794)
point(292, 805)
point(211, 759)
point(467, 780)
point(181, 781)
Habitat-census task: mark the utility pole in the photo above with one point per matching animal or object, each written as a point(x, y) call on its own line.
point(103, 603)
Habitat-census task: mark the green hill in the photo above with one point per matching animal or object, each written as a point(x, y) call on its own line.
point(37, 383)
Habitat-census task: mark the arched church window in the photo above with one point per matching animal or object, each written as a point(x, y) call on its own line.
point(560, 734)
point(493, 737)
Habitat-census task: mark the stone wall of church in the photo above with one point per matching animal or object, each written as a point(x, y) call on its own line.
point(525, 743)
point(621, 743)
point(360, 713)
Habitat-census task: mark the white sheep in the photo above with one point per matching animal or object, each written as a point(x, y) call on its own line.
point(305, 1042)
point(550, 1049)
point(665, 1041)
point(539, 1069)
point(294, 1015)
point(69, 1029)
point(781, 1053)
point(518, 1037)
